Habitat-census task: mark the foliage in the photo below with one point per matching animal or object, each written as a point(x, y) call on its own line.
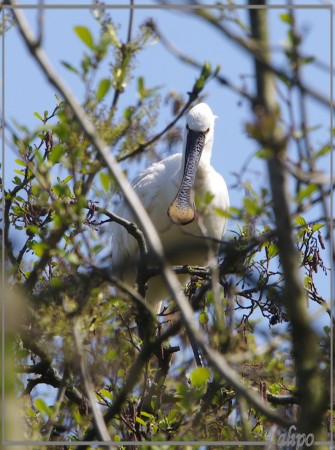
point(60, 203)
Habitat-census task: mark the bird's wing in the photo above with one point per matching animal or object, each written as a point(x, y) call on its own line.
point(156, 190)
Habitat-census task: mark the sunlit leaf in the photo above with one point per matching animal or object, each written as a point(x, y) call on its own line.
point(39, 248)
point(105, 180)
point(286, 17)
point(306, 192)
point(103, 88)
point(42, 406)
point(300, 221)
point(141, 421)
point(85, 35)
point(20, 162)
point(199, 376)
point(36, 114)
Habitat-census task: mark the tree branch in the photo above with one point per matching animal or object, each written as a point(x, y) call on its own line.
point(305, 350)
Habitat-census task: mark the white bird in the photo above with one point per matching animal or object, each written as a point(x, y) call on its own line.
point(168, 190)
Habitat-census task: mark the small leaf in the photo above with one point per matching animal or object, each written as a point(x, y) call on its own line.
point(20, 163)
point(59, 100)
point(300, 221)
point(149, 416)
point(141, 89)
point(106, 394)
point(308, 282)
point(317, 226)
point(203, 318)
point(272, 250)
point(285, 17)
point(199, 376)
point(105, 180)
point(67, 179)
point(85, 35)
point(39, 248)
point(306, 192)
point(323, 151)
point(264, 154)
point(141, 421)
point(36, 114)
point(103, 88)
point(42, 406)
point(307, 60)
point(56, 154)
point(69, 67)
point(117, 438)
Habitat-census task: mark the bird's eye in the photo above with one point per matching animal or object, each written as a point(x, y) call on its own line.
point(207, 130)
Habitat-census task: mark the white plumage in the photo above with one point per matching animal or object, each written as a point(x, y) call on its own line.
point(167, 190)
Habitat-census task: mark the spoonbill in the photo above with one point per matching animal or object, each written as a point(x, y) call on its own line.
point(169, 191)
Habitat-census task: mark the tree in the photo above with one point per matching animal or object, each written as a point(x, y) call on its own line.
point(75, 327)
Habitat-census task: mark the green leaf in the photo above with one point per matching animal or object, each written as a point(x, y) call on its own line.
point(141, 421)
point(106, 394)
point(323, 151)
point(306, 192)
point(59, 100)
point(149, 416)
point(285, 17)
point(105, 180)
point(36, 114)
point(56, 154)
point(307, 60)
point(69, 67)
point(39, 248)
point(103, 88)
point(308, 282)
point(20, 162)
point(300, 221)
point(142, 91)
point(42, 406)
point(17, 180)
point(264, 154)
point(251, 206)
point(67, 179)
point(117, 438)
point(85, 35)
point(199, 376)
point(272, 250)
point(203, 318)
point(317, 226)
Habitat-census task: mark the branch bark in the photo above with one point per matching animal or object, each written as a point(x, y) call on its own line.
point(305, 347)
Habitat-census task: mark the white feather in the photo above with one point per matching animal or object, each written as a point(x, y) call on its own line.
point(157, 187)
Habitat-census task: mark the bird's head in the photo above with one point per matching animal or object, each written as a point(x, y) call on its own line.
point(198, 142)
point(201, 118)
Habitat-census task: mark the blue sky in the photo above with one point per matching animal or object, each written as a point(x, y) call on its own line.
point(27, 90)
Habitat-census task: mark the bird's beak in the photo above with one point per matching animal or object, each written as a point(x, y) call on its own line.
point(182, 210)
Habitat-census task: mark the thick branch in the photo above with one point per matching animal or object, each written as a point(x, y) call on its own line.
point(310, 384)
